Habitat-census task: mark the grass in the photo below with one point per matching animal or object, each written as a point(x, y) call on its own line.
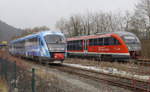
point(3, 87)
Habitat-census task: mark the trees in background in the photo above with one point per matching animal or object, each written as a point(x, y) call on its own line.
point(142, 18)
point(28, 31)
point(92, 23)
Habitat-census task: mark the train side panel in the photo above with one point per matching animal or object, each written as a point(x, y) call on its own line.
point(110, 45)
point(35, 47)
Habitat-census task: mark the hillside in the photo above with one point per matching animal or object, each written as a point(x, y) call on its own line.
point(7, 31)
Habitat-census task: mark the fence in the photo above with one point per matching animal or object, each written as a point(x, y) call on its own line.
point(17, 78)
point(21, 79)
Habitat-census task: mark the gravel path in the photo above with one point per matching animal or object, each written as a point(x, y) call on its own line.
point(74, 83)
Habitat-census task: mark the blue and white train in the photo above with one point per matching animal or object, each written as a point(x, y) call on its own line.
point(44, 46)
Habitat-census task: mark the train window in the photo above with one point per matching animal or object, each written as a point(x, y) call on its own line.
point(74, 45)
point(21, 44)
point(107, 41)
point(54, 39)
point(100, 41)
point(103, 41)
point(116, 42)
point(93, 42)
point(70, 45)
point(18, 45)
point(78, 45)
point(111, 41)
point(32, 42)
point(129, 39)
point(35, 41)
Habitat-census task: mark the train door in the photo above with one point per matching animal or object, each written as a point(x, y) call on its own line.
point(85, 46)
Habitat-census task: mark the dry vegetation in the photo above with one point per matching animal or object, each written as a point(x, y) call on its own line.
point(145, 48)
point(44, 81)
point(122, 66)
point(3, 86)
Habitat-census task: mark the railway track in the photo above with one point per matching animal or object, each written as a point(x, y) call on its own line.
point(127, 83)
point(144, 62)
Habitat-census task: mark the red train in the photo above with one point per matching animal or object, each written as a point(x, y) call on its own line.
point(114, 46)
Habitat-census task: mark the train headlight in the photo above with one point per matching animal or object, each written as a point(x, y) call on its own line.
point(60, 49)
point(50, 49)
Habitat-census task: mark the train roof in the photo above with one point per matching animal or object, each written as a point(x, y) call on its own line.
point(43, 33)
point(103, 34)
point(124, 33)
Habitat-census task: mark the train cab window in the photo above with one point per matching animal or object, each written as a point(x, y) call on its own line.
point(116, 42)
point(111, 41)
point(52, 39)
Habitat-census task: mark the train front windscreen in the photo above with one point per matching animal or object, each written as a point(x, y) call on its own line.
point(132, 42)
point(56, 43)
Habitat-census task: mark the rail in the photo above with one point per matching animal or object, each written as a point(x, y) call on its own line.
point(129, 83)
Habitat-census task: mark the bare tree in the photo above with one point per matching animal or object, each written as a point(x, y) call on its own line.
point(92, 23)
point(61, 25)
point(143, 9)
point(139, 22)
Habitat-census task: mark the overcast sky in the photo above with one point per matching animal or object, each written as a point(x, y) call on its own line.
point(31, 13)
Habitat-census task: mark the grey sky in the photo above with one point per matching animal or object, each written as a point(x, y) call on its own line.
point(31, 13)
